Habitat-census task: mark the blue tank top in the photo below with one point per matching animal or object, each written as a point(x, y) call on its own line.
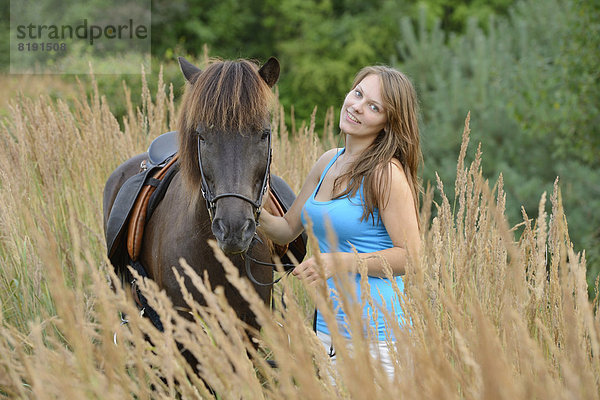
point(343, 215)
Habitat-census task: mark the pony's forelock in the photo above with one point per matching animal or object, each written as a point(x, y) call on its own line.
point(228, 96)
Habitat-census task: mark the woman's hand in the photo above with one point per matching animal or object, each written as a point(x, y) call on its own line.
point(314, 273)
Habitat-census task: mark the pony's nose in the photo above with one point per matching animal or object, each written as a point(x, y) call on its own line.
point(232, 237)
point(248, 230)
point(218, 229)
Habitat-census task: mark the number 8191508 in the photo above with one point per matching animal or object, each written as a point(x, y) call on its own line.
point(42, 46)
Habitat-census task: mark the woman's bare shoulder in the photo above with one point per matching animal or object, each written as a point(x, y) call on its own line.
point(328, 155)
point(393, 169)
point(322, 162)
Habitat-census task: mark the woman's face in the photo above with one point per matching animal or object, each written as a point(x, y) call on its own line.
point(362, 113)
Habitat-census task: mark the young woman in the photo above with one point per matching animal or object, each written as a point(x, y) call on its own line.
point(367, 192)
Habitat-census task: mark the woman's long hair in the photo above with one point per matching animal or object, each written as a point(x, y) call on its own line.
point(399, 139)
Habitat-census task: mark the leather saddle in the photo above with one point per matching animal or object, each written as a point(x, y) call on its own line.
point(140, 194)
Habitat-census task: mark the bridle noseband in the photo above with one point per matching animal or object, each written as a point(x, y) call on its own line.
point(211, 199)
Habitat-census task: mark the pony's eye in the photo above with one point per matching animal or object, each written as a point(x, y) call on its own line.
point(265, 134)
point(200, 137)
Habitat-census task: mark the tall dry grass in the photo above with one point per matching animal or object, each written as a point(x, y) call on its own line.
point(491, 317)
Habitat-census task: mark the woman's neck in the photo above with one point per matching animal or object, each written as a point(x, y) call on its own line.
point(355, 147)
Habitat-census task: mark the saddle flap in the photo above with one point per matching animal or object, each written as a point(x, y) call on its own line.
point(121, 210)
point(282, 195)
point(282, 192)
point(273, 206)
point(137, 222)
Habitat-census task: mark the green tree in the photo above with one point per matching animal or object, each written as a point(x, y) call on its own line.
point(320, 43)
point(230, 28)
point(524, 94)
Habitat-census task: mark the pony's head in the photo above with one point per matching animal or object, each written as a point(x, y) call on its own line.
point(224, 141)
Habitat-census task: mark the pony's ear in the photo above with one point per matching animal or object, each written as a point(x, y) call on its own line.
point(190, 71)
point(270, 71)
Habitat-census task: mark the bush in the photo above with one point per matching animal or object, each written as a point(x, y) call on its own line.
point(522, 85)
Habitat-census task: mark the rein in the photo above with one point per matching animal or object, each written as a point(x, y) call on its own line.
point(287, 266)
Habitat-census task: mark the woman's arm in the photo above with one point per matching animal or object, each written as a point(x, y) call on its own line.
point(284, 229)
point(399, 217)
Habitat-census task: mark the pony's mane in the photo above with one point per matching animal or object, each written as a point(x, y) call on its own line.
point(226, 96)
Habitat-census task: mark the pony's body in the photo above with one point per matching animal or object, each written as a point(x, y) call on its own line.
point(223, 154)
point(170, 235)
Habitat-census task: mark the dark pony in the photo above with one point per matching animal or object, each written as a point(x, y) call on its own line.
point(224, 154)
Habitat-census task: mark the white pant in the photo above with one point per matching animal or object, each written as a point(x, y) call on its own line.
point(378, 350)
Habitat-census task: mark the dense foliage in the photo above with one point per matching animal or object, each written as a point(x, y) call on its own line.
point(321, 43)
point(530, 82)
